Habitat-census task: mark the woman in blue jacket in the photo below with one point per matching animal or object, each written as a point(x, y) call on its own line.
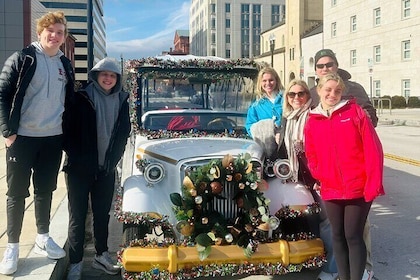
point(263, 120)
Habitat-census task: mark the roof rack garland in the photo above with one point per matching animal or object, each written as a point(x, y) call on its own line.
point(198, 68)
point(191, 63)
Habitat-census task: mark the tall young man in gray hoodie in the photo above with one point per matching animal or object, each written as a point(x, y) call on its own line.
point(36, 84)
point(97, 129)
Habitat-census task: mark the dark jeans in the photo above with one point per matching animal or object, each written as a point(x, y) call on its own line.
point(348, 218)
point(101, 191)
point(39, 158)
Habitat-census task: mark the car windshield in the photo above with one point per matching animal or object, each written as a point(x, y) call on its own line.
point(189, 92)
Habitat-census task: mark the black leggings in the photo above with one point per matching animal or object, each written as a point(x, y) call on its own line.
point(348, 218)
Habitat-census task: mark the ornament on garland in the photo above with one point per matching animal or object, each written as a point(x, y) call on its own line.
point(201, 222)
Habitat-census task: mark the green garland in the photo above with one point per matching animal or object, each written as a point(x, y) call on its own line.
point(205, 227)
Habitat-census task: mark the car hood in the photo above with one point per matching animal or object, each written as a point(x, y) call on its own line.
point(175, 150)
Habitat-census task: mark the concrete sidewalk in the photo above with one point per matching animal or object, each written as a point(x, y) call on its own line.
point(35, 267)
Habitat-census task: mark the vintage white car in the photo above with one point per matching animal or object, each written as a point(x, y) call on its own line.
point(198, 197)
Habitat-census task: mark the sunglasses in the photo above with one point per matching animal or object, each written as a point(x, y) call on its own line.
point(292, 94)
point(328, 65)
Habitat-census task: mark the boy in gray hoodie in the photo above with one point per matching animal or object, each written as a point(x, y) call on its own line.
point(97, 128)
point(36, 85)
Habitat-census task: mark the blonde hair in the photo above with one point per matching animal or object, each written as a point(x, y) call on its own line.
point(331, 77)
point(287, 108)
point(51, 18)
point(267, 70)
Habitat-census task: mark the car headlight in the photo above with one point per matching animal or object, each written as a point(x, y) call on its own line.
point(154, 173)
point(281, 169)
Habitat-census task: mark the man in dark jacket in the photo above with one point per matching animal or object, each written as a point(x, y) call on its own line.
point(36, 84)
point(326, 62)
point(97, 129)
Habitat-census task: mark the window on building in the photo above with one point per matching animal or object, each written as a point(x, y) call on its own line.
point(256, 29)
point(377, 88)
point(213, 8)
point(227, 53)
point(377, 17)
point(333, 29)
point(213, 23)
point(353, 57)
point(377, 54)
point(213, 52)
point(353, 24)
point(227, 38)
point(213, 38)
point(406, 51)
point(245, 31)
point(292, 54)
point(227, 8)
point(406, 88)
point(227, 22)
point(275, 14)
point(406, 8)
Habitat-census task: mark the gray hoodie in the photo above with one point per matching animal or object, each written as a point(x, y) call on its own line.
point(43, 104)
point(107, 105)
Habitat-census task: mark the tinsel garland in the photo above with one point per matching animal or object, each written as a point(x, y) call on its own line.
point(190, 63)
point(288, 213)
point(226, 269)
point(168, 134)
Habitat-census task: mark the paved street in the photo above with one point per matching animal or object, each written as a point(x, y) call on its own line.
point(32, 266)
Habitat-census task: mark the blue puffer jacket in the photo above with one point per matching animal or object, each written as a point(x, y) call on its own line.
point(263, 109)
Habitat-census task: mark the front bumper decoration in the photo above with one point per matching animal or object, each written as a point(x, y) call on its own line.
point(209, 235)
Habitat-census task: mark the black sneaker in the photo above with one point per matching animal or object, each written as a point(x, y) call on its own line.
point(105, 263)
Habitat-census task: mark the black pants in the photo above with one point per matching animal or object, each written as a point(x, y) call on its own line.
point(348, 218)
point(39, 158)
point(101, 191)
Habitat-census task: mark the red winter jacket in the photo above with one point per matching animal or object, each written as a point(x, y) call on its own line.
point(344, 152)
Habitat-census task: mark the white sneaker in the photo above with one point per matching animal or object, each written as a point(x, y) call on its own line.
point(75, 271)
point(367, 275)
point(10, 261)
point(49, 249)
point(105, 263)
point(327, 276)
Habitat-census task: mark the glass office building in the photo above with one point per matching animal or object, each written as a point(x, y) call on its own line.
point(86, 23)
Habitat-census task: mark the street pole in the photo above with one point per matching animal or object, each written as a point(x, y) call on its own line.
point(272, 46)
point(370, 66)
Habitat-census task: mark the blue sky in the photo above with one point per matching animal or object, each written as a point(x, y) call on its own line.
point(141, 28)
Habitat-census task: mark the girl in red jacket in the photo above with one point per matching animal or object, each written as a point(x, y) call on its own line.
point(344, 153)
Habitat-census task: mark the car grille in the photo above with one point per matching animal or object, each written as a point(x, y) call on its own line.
point(225, 204)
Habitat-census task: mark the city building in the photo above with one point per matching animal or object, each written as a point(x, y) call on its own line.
point(375, 41)
point(231, 29)
point(281, 43)
point(18, 25)
point(86, 23)
point(181, 42)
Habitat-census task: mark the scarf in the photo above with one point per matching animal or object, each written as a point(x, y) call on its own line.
point(293, 136)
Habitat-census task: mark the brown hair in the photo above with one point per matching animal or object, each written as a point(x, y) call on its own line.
point(51, 18)
point(287, 108)
point(267, 70)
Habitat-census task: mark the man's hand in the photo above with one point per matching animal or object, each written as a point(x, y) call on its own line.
point(10, 140)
